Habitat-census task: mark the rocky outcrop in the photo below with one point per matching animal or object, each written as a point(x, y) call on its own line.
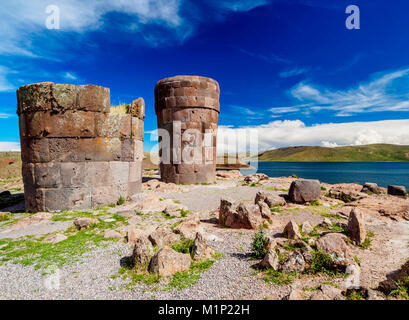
point(162, 236)
point(167, 262)
point(302, 191)
point(255, 178)
point(291, 231)
point(201, 248)
point(243, 215)
point(188, 227)
point(270, 260)
point(370, 187)
point(82, 223)
point(142, 252)
point(356, 226)
point(271, 199)
point(335, 246)
point(347, 192)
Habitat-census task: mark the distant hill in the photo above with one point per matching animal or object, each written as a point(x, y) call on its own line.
point(366, 153)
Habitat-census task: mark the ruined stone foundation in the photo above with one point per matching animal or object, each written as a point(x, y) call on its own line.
point(75, 153)
point(187, 107)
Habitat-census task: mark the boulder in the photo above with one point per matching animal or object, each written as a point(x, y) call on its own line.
point(201, 249)
point(302, 191)
point(291, 231)
point(356, 226)
point(166, 262)
point(226, 210)
point(306, 227)
point(255, 178)
point(270, 260)
point(112, 234)
point(295, 294)
point(37, 218)
point(370, 187)
point(82, 223)
point(389, 284)
point(294, 263)
point(55, 238)
point(269, 198)
point(265, 210)
point(249, 216)
point(228, 174)
point(335, 245)
point(134, 234)
point(162, 236)
point(397, 191)
point(188, 228)
point(270, 243)
point(142, 252)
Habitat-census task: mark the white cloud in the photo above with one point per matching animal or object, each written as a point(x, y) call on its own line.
point(9, 146)
point(386, 91)
point(6, 115)
point(295, 133)
point(5, 84)
point(293, 72)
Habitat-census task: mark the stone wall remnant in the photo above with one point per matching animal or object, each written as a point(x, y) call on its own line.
point(187, 109)
point(75, 153)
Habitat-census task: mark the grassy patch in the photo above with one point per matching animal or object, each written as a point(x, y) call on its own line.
point(217, 255)
point(278, 278)
point(275, 208)
point(322, 263)
point(5, 217)
point(355, 295)
point(402, 290)
point(120, 201)
point(368, 241)
point(136, 275)
point(184, 246)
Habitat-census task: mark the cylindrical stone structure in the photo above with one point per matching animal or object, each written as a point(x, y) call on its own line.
point(187, 109)
point(75, 153)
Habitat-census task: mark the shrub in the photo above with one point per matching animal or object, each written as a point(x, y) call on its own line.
point(321, 262)
point(120, 201)
point(257, 247)
point(294, 176)
point(184, 246)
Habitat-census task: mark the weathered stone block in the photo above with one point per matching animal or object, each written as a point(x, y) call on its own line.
point(68, 124)
point(93, 98)
point(97, 174)
point(64, 97)
point(47, 175)
point(137, 108)
point(35, 150)
point(137, 129)
point(103, 195)
point(34, 97)
point(67, 198)
point(119, 172)
point(113, 125)
point(73, 174)
point(135, 171)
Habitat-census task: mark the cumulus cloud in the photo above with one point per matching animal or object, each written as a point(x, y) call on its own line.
point(9, 146)
point(386, 91)
point(278, 134)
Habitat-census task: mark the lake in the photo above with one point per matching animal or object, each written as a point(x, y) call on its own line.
point(382, 173)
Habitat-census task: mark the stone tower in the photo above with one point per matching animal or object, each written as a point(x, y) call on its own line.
point(75, 153)
point(187, 108)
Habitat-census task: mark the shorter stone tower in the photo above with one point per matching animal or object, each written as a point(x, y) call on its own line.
point(75, 153)
point(187, 108)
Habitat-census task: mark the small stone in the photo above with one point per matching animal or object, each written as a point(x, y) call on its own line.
point(397, 191)
point(112, 234)
point(142, 251)
point(201, 249)
point(55, 238)
point(295, 295)
point(291, 231)
point(326, 222)
point(162, 236)
point(294, 263)
point(265, 210)
point(188, 228)
point(306, 227)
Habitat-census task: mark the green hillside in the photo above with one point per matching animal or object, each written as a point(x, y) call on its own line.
point(366, 153)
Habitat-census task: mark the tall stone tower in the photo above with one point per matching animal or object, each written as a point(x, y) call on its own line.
point(187, 109)
point(76, 154)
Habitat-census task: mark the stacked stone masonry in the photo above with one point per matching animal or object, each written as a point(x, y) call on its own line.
point(182, 103)
point(76, 154)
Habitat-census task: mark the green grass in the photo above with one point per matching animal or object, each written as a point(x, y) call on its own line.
point(365, 153)
point(136, 275)
point(120, 201)
point(368, 241)
point(257, 246)
point(277, 277)
point(5, 217)
point(184, 246)
point(355, 295)
point(402, 290)
point(322, 263)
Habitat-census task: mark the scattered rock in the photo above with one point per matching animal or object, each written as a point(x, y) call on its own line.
point(142, 252)
point(291, 231)
point(201, 249)
point(167, 262)
point(370, 187)
point(82, 223)
point(295, 295)
point(335, 245)
point(162, 236)
point(347, 192)
point(306, 227)
point(270, 243)
point(188, 228)
point(302, 191)
point(37, 218)
point(294, 263)
point(270, 260)
point(356, 226)
point(397, 191)
point(271, 199)
point(331, 292)
point(228, 174)
point(265, 210)
point(389, 284)
point(159, 186)
point(55, 238)
point(134, 234)
point(326, 222)
point(112, 234)
point(256, 178)
point(245, 215)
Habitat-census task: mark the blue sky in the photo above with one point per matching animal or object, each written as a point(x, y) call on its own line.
point(289, 69)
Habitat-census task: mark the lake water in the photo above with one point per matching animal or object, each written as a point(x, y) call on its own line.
point(382, 173)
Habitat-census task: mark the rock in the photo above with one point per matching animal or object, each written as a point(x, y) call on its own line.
point(142, 252)
point(389, 285)
point(162, 236)
point(326, 222)
point(188, 228)
point(249, 216)
point(271, 199)
point(295, 295)
point(167, 262)
point(397, 191)
point(265, 210)
point(5, 194)
point(331, 292)
point(255, 178)
point(335, 245)
point(356, 226)
point(270, 243)
point(373, 295)
point(37, 218)
point(306, 227)
point(228, 174)
point(82, 223)
point(294, 263)
point(153, 203)
point(291, 231)
point(134, 234)
point(201, 249)
point(244, 215)
point(55, 238)
point(347, 192)
point(160, 186)
point(270, 260)
point(307, 253)
point(112, 234)
point(370, 187)
point(302, 191)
